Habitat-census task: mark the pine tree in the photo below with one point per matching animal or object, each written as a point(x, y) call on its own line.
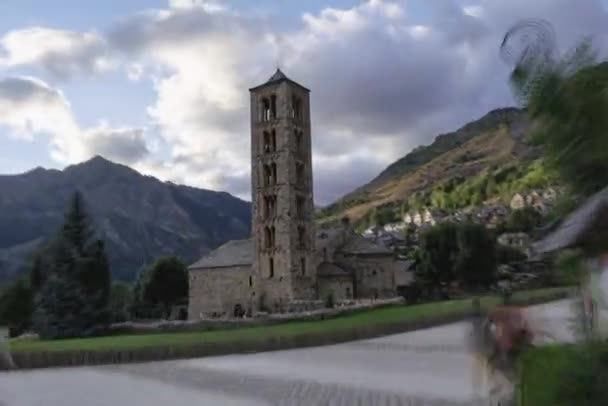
point(73, 289)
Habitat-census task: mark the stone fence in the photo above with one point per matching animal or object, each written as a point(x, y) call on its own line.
point(166, 326)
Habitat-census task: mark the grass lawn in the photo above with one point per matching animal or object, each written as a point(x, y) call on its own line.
point(363, 319)
point(540, 371)
point(564, 375)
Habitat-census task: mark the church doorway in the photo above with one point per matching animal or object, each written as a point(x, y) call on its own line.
point(239, 312)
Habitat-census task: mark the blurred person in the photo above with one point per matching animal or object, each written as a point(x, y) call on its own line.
point(480, 347)
point(6, 361)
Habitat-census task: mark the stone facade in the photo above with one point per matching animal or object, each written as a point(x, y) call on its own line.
point(282, 198)
point(221, 292)
point(286, 264)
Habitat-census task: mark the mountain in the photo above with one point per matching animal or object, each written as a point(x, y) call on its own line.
point(495, 140)
point(139, 217)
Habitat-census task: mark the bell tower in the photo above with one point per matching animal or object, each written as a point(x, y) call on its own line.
point(282, 197)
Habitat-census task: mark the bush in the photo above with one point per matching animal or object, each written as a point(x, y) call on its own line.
point(507, 255)
point(16, 308)
point(523, 220)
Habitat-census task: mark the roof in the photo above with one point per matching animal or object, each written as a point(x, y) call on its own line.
point(277, 78)
point(327, 269)
point(573, 229)
point(232, 253)
point(359, 245)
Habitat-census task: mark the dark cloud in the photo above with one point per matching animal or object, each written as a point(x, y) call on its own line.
point(59, 53)
point(23, 90)
point(123, 145)
point(154, 28)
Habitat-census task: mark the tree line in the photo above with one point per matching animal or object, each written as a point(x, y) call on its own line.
point(69, 291)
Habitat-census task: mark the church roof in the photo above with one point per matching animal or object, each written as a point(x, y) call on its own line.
point(328, 269)
point(276, 78)
point(232, 253)
point(278, 75)
point(359, 245)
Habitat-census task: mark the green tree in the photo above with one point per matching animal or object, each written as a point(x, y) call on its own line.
point(167, 283)
point(74, 260)
point(16, 307)
point(475, 262)
point(437, 254)
point(121, 300)
point(566, 97)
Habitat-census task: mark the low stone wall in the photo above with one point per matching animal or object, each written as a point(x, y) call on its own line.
point(266, 320)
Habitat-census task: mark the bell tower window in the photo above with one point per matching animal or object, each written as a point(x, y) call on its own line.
point(271, 267)
point(265, 110)
point(267, 142)
point(300, 173)
point(301, 237)
point(296, 108)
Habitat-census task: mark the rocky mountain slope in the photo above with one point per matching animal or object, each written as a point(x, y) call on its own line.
point(495, 139)
point(140, 217)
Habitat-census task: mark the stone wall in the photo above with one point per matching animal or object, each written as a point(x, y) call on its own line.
point(215, 292)
point(374, 275)
point(340, 286)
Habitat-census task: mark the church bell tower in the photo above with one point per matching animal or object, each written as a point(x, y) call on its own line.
point(282, 197)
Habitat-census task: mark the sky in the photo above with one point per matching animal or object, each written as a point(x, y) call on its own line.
point(162, 85)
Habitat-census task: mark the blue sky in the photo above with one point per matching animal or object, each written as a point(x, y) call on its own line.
point(161, 85)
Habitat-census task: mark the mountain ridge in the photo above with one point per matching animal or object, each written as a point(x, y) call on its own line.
point(496, 138)
point(139, 216)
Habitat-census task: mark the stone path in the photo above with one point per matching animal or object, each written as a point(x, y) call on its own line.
point(425, 367)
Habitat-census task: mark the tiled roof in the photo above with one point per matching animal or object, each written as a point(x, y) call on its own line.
point(232, 253)
point(357, 244)
point(329, 269)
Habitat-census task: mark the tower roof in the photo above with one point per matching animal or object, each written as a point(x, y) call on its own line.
point(276, 78)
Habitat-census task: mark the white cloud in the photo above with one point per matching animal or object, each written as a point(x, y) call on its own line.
point(60, 53)
point(29, 107)
point(382, 82)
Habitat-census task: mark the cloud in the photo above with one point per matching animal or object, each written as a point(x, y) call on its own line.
point(60, 53)
point(382, 81)
point(30, 107)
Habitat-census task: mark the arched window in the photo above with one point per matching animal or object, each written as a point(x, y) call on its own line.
point(301, 236)
point(267, 142)
point(303, 266)
point(267, 175)
point(299, 143)
point(300, 204)
point(273, 107)
point(272, 237)
point(250, 281)
point(266, 109)
point(273, 173)
point(270, 267)
point(273, 140)
point(300, 173)
point(267, 237)
point(296, 108)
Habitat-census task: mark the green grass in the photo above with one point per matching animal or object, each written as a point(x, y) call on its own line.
point(540, 370)
point(363, 319)
point(564, 375)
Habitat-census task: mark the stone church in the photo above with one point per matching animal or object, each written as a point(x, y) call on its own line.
point(286, 265)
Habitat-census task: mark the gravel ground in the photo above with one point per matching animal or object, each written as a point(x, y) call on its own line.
point(425, 367)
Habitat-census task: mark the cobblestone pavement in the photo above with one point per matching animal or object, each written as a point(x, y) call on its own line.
point(425, 367)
